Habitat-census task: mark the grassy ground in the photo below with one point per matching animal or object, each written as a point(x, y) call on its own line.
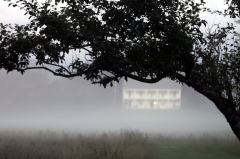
point(203, 147)
point(122, 145)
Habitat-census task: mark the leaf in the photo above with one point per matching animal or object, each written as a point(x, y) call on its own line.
point(125, 77)
point(189, 11)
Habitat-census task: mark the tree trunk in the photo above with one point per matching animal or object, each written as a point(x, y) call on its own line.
point(234, 121)
point(225, 106)
point(231, 115)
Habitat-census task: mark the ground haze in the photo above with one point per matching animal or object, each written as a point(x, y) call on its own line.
point(39, 101)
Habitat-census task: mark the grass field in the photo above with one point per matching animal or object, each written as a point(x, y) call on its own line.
point(202, 147)
point(126, 144)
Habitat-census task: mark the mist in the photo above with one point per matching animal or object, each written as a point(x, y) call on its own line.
point(39, 101)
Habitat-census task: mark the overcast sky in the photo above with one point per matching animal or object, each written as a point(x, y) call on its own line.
point(15, 15)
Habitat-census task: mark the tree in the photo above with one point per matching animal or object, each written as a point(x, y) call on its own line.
point(145, 40)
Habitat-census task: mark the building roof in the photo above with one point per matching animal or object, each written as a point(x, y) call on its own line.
point(163, 84)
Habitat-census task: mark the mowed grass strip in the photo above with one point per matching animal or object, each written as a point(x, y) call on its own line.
point(126, 144)
point(203, 147)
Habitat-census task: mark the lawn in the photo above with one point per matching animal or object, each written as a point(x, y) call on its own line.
point(126, 144)
point(203, 147)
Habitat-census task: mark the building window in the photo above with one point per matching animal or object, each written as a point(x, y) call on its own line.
point(152, 98)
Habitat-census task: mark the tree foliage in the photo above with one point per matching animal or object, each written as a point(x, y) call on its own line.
point(146, 40)
point(118, 37)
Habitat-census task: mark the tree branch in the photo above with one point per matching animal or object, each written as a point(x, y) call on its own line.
point(137, 78)
point(58, 66)
point(54, 73)
point(211, 94)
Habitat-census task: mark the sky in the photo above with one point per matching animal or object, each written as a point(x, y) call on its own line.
point(14, 15)
point(142, 121)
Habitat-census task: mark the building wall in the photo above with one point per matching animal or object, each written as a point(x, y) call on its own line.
point(165, 94)
point(152, 98)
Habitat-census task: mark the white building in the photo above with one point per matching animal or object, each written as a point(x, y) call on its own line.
point(165, 94)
